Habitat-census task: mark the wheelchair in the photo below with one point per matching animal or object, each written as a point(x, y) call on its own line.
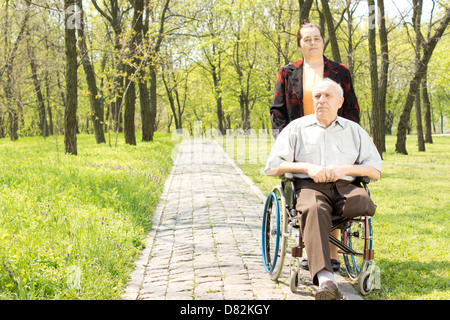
point(281, 226)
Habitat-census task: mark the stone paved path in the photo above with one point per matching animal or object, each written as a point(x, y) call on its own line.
point(206, 238)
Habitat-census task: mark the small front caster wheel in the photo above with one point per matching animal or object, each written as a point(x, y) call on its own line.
point(365, 283)
point(294, 279)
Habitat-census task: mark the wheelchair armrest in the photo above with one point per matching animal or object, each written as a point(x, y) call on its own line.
point(362, 180)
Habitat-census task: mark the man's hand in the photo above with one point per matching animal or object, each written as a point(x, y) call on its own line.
point(327, 174)
point(318, 173)
point(337, 172)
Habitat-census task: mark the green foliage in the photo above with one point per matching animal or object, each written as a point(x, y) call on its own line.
point(243, 42)
point(70, 226)
point(411, 226)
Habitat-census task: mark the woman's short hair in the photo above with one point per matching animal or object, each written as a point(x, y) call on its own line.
point(307, 24)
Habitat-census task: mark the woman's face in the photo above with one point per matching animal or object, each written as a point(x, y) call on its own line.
point(311, 43)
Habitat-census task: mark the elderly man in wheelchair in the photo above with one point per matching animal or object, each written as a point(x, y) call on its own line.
point(325, 153)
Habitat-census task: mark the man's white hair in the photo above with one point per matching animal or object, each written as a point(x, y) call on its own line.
point(334, 83)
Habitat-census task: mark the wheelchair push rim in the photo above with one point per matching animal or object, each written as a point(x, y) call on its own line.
point(273, 229)
point(270, 232)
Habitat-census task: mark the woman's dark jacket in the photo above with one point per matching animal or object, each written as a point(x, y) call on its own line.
point(287, 102)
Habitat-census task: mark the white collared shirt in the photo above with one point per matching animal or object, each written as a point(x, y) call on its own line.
point(344, 142)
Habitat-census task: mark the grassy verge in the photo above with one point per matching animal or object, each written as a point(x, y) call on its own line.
point(411, 227)
point(70, 226)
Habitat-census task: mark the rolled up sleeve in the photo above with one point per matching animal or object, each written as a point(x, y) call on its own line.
point(282, 150)
point(368, 153)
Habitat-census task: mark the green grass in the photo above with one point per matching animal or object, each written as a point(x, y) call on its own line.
point(71, 226)
point(411, 226)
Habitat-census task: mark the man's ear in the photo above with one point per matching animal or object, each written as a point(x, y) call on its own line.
point(341, 101)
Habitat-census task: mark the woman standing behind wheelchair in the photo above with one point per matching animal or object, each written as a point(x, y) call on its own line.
point(292, 96)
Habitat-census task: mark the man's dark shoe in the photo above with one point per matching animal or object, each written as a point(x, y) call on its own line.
point(328, 291)
point(334, 263)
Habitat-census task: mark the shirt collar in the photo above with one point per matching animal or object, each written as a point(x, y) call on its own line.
point(340, 122)
point(312, 120)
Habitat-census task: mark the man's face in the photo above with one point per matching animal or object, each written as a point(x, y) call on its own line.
point(326, 102)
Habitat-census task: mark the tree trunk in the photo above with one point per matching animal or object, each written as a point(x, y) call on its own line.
point(416, 23)
point(218, 97)
point(43, 126)
point(94, 97)
point(130, 108)
point(13, 124)
point(132, 70)
point(383, 81)
point(245, 110)
point(61, 91)
point(8, 69)
point(130, 101)
point(426, 110)
point(400, 146)
point(331, 31)
point(2, 129)
point(37, 89)
point(118, 89)
point(153, 70)
point(243, 86)
point(144, 100)
point(181, 105)
point(153, 101)
point(70, 120)
point(419, 127)
point(170, 95)
point(350, 49)
point(49, 108)
point(144, 96)
point(376, 123)
point(115, 20)
point(305, 7)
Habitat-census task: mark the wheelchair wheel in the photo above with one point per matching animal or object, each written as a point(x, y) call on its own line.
point(293, 275)
point(365, 283)
point(273, 228)
point(353, 236)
